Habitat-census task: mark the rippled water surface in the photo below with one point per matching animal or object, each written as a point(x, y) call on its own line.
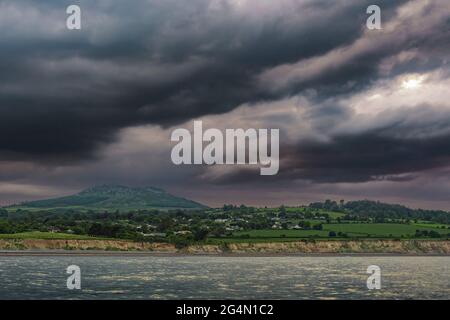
point(200, 277)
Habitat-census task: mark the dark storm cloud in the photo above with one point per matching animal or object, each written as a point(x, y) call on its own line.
point(72, 102)
point(366, 157)
point(411, 140)
point(350, 68)
point(64, 93)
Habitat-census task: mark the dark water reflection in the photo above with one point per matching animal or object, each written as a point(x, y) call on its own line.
point(200, 277)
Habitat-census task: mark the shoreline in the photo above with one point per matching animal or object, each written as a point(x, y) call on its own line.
point(100, 253)
point(299, 248)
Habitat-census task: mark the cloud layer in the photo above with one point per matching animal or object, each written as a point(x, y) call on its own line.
point(354, 106)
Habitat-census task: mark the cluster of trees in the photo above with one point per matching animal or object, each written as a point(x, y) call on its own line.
point(242, 209)
point(178, 225)
point(381, 212)
point(113, 230)
point(306, 225)
point(328, 205)
point(3, 213)
point(426, 233)
point(106, 224)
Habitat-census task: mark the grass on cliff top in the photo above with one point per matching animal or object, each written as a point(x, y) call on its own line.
point(359, 230)
point(48, 236)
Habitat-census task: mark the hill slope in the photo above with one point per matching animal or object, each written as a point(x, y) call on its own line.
point(116, 198)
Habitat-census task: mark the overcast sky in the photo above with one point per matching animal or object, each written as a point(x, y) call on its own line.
point(363, 114)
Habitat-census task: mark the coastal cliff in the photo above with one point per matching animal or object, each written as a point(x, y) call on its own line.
point(410, 247)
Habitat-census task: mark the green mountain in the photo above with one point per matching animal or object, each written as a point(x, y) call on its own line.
point(115, 197)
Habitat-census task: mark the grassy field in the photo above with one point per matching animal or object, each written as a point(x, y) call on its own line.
point(270, 233)
point(332, 214)
point(54, 209)
point(429, 225)
point(47, 236)
point(354, 230)
point(380, 229)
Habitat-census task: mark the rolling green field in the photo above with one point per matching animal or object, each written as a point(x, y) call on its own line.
point(380, 229)
point(353, 230)
point(269, 233)
point(47, 236)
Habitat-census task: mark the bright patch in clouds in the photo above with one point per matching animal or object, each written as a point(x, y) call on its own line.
point(413, 82)
point(404, 91)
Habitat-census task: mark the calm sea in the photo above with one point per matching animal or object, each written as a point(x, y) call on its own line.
point(204, 277)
